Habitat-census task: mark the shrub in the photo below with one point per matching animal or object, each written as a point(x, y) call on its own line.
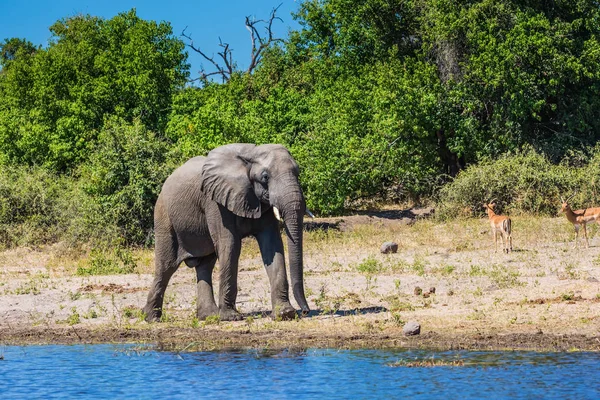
point(123, 179)
point(31, 201)
point(526, 182)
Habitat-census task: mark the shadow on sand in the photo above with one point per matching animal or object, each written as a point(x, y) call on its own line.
point(317, 313)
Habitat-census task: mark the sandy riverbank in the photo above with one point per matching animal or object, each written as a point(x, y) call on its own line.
point(545, 295)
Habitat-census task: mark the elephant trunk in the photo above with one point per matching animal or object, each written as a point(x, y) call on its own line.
point(293, 214)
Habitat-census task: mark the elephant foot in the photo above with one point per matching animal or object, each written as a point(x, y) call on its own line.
point(206, 312)
point(152, 314)
point(230, 314)
point(283, 312)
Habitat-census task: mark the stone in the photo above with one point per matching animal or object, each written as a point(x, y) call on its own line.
point(418, 291)
point(432, 290)
point(411, 328)
point(389, 247)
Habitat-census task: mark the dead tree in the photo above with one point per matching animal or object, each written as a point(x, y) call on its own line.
point(223, 62)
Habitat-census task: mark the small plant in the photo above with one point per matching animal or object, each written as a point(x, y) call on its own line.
point(397, 319)
point(370, 281)
point(28, 288)
point(327, 304)
point(369, 266)
point(504, 277)
point(567, 296)
point(34, 285)
point(75, 295)
point(476, 270)
point(571, 271)
point(73, 318)
point(132, 312)
point(418, 266)
point(448, 269)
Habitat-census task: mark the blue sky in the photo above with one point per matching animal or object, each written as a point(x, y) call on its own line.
point(206, 20)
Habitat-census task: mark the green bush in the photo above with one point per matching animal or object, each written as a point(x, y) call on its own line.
point(123, 179)
point(526, 182)
point(31, 201)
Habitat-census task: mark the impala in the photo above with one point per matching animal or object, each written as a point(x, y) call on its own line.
point(501, 224)
point(579, 218)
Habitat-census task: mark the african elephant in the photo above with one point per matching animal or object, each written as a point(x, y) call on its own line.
point(209, 204)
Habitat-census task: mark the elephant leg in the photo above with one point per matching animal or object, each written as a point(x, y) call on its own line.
point(228, 251)
point(271, 249)
point(206, 305)
point(166, 263)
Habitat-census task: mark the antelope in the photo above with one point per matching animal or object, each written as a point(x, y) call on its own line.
point(502, 224)
point(579, 218)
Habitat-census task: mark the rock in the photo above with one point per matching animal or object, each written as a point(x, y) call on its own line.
point(592, 279)
point(432, 289)
point(418, 291)
point(389, 247)
point(450, 292)
point(426, 294)
point(411, 328)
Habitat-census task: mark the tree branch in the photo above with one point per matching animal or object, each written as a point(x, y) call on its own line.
point(226, 67)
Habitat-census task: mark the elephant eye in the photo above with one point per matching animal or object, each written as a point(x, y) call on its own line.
point(264, 177)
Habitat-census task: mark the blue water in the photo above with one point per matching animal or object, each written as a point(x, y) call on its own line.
point(130, 372)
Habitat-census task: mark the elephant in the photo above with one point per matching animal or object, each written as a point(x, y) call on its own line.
point(205, 208)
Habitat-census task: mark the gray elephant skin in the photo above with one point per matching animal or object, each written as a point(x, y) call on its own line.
point(208, 205)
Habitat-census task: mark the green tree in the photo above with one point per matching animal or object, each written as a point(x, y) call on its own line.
point(92, 68)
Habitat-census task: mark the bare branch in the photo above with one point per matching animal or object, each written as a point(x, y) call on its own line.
point(256, 54)
point(226, 67)
point(225, 74)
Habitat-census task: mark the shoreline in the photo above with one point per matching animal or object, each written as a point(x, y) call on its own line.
point(200, 339)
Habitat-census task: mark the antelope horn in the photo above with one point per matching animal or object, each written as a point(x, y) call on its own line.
point(277, 215)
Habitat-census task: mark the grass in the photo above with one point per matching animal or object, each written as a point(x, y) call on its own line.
point(108, 262)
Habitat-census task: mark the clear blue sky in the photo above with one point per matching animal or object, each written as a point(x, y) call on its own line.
point(206, 20)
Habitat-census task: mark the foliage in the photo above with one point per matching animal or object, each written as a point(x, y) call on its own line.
point(524, 182)
point(54, 101)
point(124, 176)
point(30, 206)
point(391, 99)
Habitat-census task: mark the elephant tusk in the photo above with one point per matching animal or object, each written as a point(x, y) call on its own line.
point(309, 213)
point(277, 215)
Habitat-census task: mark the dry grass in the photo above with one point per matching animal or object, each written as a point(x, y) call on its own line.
point(466, 289)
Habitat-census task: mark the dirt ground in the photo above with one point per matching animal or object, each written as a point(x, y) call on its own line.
point(545, 295)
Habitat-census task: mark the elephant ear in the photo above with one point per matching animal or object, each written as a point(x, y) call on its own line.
point(225, 180)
